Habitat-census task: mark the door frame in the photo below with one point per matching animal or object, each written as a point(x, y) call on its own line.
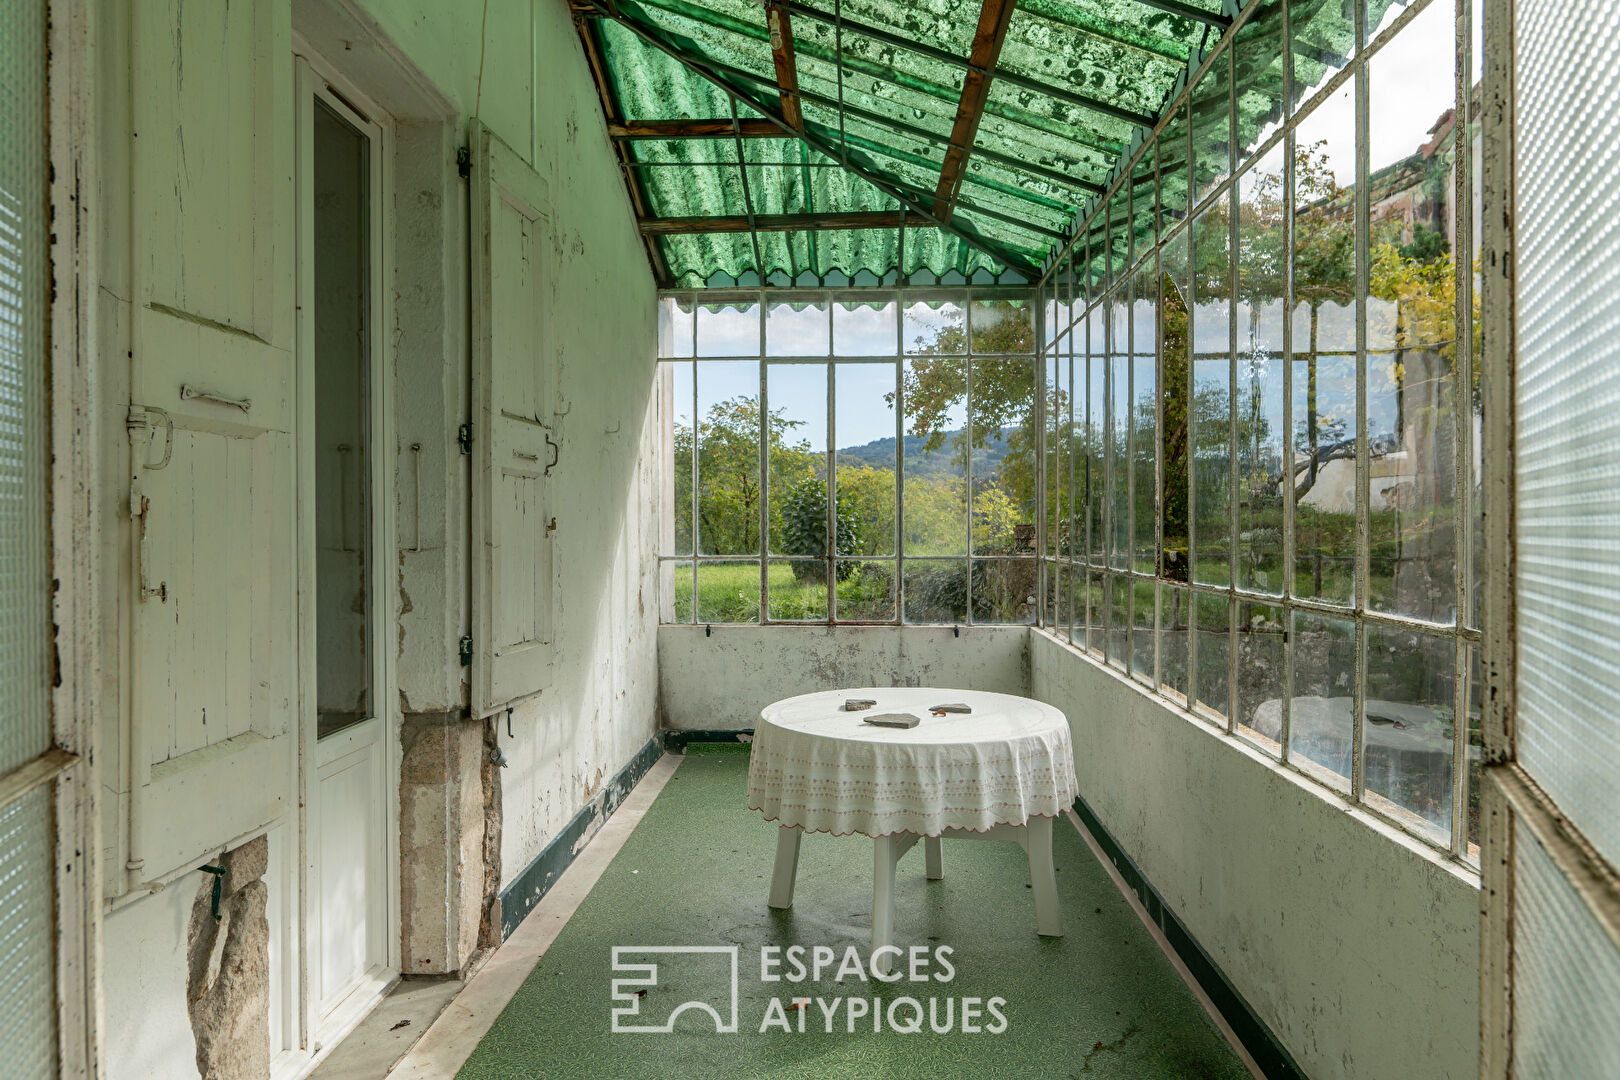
point(302, 1041)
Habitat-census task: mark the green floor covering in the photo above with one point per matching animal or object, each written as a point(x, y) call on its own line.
point(1101, 1002)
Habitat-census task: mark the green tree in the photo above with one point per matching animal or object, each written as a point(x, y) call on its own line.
point(803, 518)
point(728, 499)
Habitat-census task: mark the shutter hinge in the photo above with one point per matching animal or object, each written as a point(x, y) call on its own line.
point(465, 649)
point(464, 438)
point(464, 161)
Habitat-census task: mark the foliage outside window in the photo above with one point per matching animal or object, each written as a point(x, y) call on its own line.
point(1262, 426)
point(850, 458)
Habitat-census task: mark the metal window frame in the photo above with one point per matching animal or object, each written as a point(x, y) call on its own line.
point(1463, 630)
point(965, 296)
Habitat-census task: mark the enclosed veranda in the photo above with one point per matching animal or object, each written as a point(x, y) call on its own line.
point(516, 518)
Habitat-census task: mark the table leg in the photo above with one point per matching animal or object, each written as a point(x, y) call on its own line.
point(787, 866)
point(1043, 878)
point(936, 869)
point(884, 858)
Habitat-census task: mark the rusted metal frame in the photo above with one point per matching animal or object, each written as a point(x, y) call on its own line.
point(687, 226)
point(1360, 593)
point(973, 65)
point(610, 111)
point(995, 16)
point(787, 70)
point(1463, 420)
point(1289, 178)
point(713, 73)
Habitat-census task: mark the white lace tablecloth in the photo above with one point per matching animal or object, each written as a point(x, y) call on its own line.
point(822, 769)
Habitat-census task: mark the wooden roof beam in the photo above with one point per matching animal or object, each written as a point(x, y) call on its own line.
point(738, 223)
point(994, 18)
point(787, 66)
point(708, 128)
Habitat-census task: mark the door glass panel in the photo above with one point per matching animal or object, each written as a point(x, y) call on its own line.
point(343, 557)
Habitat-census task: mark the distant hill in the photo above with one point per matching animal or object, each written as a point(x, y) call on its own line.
point(879, 454)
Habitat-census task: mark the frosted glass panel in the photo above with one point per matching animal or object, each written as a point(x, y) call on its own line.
point(1568, 381)
point(1566, 974)
point(24, 573)
point(27, 985)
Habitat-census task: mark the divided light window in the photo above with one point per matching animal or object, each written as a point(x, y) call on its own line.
point(1263, 449)
point(866, 457)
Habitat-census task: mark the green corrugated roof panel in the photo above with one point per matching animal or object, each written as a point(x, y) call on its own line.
point(880, 87)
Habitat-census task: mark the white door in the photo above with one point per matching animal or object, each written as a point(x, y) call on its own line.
point(345, 489)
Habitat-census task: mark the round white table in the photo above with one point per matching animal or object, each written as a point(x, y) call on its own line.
point(1003, 771)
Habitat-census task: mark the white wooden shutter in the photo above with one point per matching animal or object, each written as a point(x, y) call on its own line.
point(514, 444)
point(213, 465)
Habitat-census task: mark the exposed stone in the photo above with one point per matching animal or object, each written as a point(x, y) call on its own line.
point(228, 997)
point(489, 928)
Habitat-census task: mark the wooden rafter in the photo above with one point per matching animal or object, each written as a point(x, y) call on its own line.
point(716, 128)
point(787, 68)
point(738, 223)
point(610, 111)
point(994, 18)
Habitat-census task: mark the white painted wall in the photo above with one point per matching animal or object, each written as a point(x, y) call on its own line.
point(535, 93)
point(1358, 947)
point(722, 680)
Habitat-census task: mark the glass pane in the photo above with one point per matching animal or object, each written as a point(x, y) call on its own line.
point(1174, 562)
point(865, 426)
point(1119, 222)
point(796, 328)
point(866, 590)
point(1002, 326)
point(1411, 421)
point(1096, 613)
point(1324, 351)
point(680, 389)
point(1257, 78)
point(935, 521)
point(865, 329)
point(728, 457)
point(797, 589)
point(675, 592)
point(936, 327)
point(343, 497)
point(27, 938)
point(1004, 455)
point(1144, 211)
point(1211, 130)
point(1144, 455)
point(25, 574)
point(675, 319)
point(1176, 620)
point(1324, 40)
point(1476, 750)
point(1077, 606)
point(936, 591)
point(1262, 282)
point(1118, 431)
point(1056, 368)
point(1261, 633)
point(1143, 602)
point(1214, 654)
point(728, 330)
point(1171, 150)
point(728, 592)
point(1119, 619)
point(1004, 590)
point(1408, 733)
point(797, 395)
point(1321, 714)
point(1211, 411)
point(1096, 435)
